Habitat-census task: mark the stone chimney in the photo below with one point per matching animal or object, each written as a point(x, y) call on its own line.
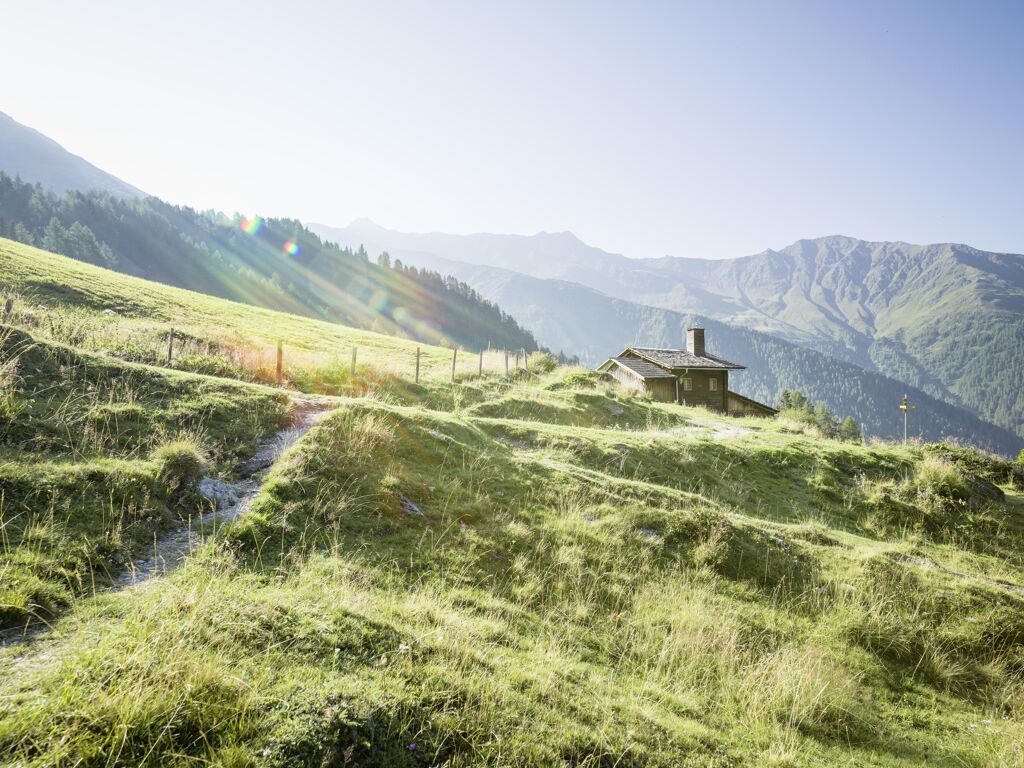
point(695, 341)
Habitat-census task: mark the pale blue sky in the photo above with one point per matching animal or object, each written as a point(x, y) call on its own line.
point(691, 129)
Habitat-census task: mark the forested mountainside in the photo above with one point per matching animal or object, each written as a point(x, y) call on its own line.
point(566, 315)
point(26, 153)
point(946, 318)
point(273, 263)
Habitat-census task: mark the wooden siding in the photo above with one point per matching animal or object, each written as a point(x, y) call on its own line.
point(662, 390)
point(701, 393)
point(744, 406)
point(626, 377)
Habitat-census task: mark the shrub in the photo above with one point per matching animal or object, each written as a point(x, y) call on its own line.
point(181, 465)
point(942, 478)
point(582, 379)
point(543, 362)
point(984, 465)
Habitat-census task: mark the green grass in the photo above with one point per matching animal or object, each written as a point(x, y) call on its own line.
point(620, 595)
point(514, 572)
point(97, 456)
point(96, 309)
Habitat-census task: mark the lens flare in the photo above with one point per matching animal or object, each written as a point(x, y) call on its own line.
point(378, 300)
point(291, 247)
point(251, 226)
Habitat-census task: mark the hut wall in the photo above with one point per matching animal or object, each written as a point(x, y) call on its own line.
point(662, 390)
point(701, 393)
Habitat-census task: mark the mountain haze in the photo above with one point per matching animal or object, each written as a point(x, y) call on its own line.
point(568, 316)
point(946, 318)
point(271, 263)
point(37, 159)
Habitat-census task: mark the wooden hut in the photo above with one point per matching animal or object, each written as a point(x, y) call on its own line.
point(691, 376)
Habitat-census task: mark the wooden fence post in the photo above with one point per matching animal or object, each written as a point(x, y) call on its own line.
point(480, 368)
point(417, 365)
point(352, 369)
point(280, 362)
point(506, 362)
point(170, 348)
point(526, 359)
point(455, 352)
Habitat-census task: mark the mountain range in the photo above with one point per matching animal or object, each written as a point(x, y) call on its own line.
point(947, 319)
point(852, 323)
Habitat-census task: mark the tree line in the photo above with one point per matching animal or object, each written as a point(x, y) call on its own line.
point(795, 405)
point(274, 263)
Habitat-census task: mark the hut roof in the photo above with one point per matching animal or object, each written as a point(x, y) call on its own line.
point(680, 358)
point(642, 368)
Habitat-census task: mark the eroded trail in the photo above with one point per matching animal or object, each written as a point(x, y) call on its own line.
point(228, 499)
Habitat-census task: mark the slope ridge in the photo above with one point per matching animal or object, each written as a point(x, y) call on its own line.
point(38, 159)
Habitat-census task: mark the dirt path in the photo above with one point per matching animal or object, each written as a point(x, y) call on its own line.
point(707, 431)
point(229, 498)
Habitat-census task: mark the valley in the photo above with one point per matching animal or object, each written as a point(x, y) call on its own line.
point(946, 319)
point(659, 406)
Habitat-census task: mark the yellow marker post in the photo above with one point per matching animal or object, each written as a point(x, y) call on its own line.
point(906, 407)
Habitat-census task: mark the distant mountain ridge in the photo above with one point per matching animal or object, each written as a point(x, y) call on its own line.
point(26, 153)
point(946, 318)
point(569, 316)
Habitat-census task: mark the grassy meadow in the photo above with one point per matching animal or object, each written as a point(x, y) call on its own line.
point(541, 569)
point(98, 310)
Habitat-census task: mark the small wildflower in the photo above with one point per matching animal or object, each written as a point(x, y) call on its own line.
point(412, 746)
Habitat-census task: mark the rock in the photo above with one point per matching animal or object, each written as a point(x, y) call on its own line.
point(223, 494)
point(251, 466)
point(110, 312)
point(650, 533)
point(410, 507)
point(982, 490)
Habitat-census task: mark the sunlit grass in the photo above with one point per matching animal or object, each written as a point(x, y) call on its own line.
point(525, 570)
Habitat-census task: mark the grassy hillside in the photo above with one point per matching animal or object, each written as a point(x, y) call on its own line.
point(532, 570)
point(477, 586)
point(101, 310)
point(273, 263)
point(98, 456)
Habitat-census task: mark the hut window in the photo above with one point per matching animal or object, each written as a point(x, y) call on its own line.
point(713, 385)
point(687, 385)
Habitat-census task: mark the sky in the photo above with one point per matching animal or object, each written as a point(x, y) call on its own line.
point(709, 129)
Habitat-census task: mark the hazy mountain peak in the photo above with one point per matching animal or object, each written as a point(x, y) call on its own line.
point(37, 159)
point(365, 224)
